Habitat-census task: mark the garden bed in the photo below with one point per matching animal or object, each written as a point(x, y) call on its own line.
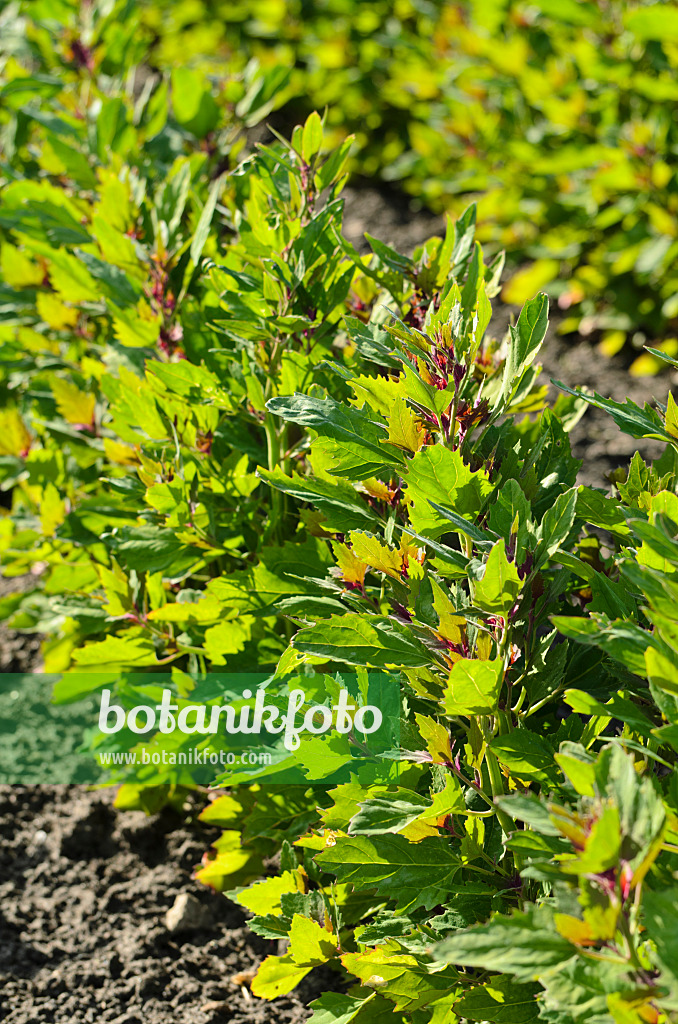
point(84, 895)
point(86, 888)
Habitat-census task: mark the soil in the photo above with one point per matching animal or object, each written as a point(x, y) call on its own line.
point(84, 888)
point(84, 892)
point(18, 652)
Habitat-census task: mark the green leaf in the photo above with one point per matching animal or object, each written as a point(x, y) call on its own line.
point(617, 707)
point(662, 670)
point(602, 849)
point(116, 650)
point(363, 640)
point(151, 549)
point(311, 137)
point(555, 526)
point(390, 258)
point(610, 598)
point(594, 508)
point(440, 475)
point(526, 755)
point(510, 503)
point(525, 341)
point(479, 537)
point(411, 874)
point(310, 943)
point(661, 921)
point(497, 591)
point(340, 503)
point(501, 1001)
point(404, 430)
point(397, 808)
point(203, 228)
point(637, 800)
point(406, 980)
point(577, 766)
point(283, 572)
point(624, 640)
point(523, 945)
point(473, 687)
point(390, 813)
point(654, 21)
point(338, 1008)
point(227, 638)
point(662, 355)
point(629, 417)
point(530, 810)
point(348, 438)
point(194, 106)
point(263, 896)
point(229, 863)
point(278, 975)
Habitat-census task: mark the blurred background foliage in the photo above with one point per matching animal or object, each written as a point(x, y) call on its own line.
point(558, 116)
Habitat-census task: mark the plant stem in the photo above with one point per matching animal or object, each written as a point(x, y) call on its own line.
point(497, 783)
point(273, 456)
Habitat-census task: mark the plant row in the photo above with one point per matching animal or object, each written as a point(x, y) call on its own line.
point(228, 440)
point(556, 117)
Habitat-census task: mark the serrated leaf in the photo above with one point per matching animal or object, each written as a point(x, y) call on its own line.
point(473, 687)
point(438, 474)
point(407, 981)
point(263, 896)
point(391, 812)
point(363, 640)
point(405, 431)
point(227, 638)
point(229, 863)
point(351, 567)
point(522, 945)
point(411, 874)
point(380, 393)
point(337, 1008)
point(526, 755)
point(501, 1001)
point(276, 976)
point(497, 591)
point(379, 556)
point(310, 943)
point(436, 737)
point(116, 650)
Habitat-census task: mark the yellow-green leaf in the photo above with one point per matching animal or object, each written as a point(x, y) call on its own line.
point(473, 687)
point(404, 428)
point(498, 590)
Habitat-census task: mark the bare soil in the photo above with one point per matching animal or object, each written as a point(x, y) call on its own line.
point(84, 888)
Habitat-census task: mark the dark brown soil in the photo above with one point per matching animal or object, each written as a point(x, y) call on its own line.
point(596, 439)
point(84, 888)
